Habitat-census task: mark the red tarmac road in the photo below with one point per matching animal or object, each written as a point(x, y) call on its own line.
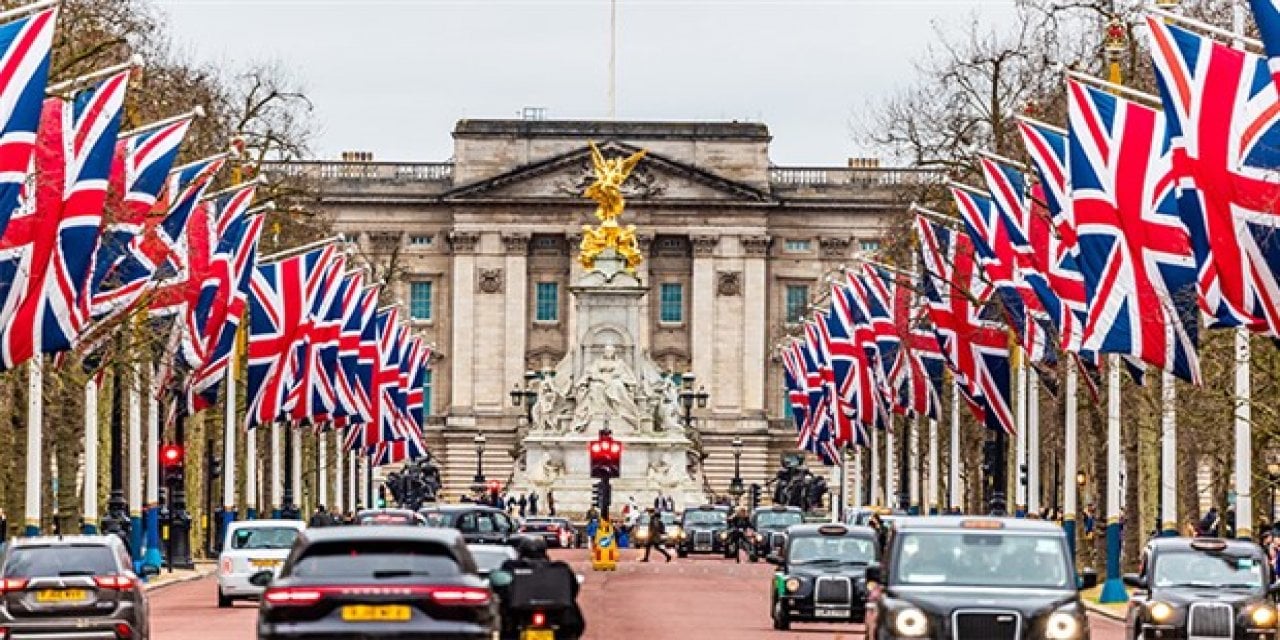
point(698, 597)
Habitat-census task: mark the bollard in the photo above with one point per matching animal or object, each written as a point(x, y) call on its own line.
point(604, 550)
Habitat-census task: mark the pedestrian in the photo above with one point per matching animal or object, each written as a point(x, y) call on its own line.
point(1089, 522)
point(533, 504)
point(551, 503)
point(668, 504)
point(1209, 523)
point(658, 503)
point(1229, 519)
point(739, 529)
point(4, 528)
point(320, 518)
point(656, 529)
point(521, 502)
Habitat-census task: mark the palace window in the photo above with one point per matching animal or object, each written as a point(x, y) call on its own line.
point(547, 302)
point(793, 245)
point(426, 394)
point(420, 300)
point(421, 241)
point(869, 245)
point(797, 302)
point(671, 298)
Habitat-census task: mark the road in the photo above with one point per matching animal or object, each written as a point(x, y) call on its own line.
point(653, 601)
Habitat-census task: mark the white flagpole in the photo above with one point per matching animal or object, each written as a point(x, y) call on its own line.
point(1033, 441)
point(295, 432)
point(153, 439)
point(613, 59)
point(135, 458)
point(890, 477)
point(353, 488)
point(35, 442)
point(857, 478)
point(913, 461)
point(1070, 457)
point(277, 471)
point(229, 435)
point(322, 470)
point(251, 502)
point(1244, 435)
point(875, 466)
point(1020, 442)
point(931, 491)
point(91, 456)
point(1113, 589)
point(1168, 455)
point(957, 492)
point(339, 470)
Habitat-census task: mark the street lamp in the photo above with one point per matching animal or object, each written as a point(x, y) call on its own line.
point(735, 485)
point(525, 395)
point(1081, 479)
point(1273, 476)
point(688, 397)
point(477, 483)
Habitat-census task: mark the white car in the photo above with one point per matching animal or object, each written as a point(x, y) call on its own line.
point(252, 546)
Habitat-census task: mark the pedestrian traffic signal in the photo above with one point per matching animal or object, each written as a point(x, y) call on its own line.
point(171, 455)
point(755, 494)
point(606, 457)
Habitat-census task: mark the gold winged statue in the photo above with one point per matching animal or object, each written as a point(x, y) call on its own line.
point(610, 173)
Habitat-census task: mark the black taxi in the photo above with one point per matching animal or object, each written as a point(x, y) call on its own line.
point(975, 578)
point(821, 574)
point(769, 529)
point(703, 529)
point(1202, 588)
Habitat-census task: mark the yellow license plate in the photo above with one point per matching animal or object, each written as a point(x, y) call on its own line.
point(538, 634)
point(264, 563)
point(377, 613)
point(61, 595)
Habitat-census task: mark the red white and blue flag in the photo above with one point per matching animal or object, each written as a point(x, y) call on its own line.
point(24, 72)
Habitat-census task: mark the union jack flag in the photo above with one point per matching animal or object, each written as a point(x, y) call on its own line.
point(976, 348)
point(359, 316)
point(816, 435)
point(311, 396)
point(868, 321)
point(915, 372)
point(856, 392)
point(1223, 112)
point(84, 130)
point(794, 373)
point(281, 295)
point(1135, 253)
point(1267, 14)
point(24, 71)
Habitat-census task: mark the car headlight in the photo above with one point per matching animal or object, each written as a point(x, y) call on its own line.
point(1062, 626)
point(911, 623)
point(792, 585)
point(724, 535)
point(1160, 612)
point(1263, 616)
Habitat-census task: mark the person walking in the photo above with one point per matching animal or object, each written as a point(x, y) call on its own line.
point(656, 529)
point(4, 528)
point(320, 518)
point(739, 529)
point(533, 504)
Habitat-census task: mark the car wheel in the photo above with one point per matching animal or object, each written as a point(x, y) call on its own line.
point(751, 557)
point(681, 553)
point(223, 601)
point(780, 620)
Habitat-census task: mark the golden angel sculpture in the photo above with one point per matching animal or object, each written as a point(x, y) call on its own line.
point(610, 173)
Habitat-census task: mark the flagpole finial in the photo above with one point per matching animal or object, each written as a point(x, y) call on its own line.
point(198, 111)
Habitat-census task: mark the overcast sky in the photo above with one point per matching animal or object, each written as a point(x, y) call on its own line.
point(393, 76)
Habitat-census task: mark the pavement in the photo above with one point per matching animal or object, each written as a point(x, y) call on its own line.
point(696, 597)
point(167, 578)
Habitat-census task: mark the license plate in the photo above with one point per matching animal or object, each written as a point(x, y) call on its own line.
point(61, 595)
point(376, 613)
point(264, 562)
point(538, 634)
point(830, 613)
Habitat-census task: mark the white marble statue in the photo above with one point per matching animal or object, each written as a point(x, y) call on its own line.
point(607, 390)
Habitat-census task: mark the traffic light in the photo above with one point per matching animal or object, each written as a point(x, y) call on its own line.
point(171, 455)
point(606, 457)
point(215, 467)
point(755, 494)
point(595, 494)
point(1022, 474)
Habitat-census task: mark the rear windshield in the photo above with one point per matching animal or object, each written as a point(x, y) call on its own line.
point(263, 538)
point(488, 560)
point(705, 517)
point(436, 518)
point(62, 560)
point(779, 519)
point(376, 559)
point(388, 518)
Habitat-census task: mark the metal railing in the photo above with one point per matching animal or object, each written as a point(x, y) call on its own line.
point(383, 171)
point(856, 177)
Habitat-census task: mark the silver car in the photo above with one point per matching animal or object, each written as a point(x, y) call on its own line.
point(79, 587)
point(252, 546)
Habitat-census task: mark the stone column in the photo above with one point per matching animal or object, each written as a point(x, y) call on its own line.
point(755, 337)
point(701, 321)
point(646, 303)
point(464, 276)
point(516, 312)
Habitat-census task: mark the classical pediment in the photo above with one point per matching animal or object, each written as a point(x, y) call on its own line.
point(657, 178)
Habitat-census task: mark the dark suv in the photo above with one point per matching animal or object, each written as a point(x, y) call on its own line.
point(703, 529)
point(477, 523)
point(72, 586)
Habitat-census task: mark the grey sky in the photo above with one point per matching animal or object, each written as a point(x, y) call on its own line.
point(392, 76)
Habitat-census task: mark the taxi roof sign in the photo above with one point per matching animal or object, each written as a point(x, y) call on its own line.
point(981, 524)
point(833, 530)
point(1209, 544)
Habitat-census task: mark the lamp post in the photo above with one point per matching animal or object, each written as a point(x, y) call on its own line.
point(477, 483)
point(117, 518)
point(735, 485)
point(1273, 477)
point(688, 397)
point(525, 395)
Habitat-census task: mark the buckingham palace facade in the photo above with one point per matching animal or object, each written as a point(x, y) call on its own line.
point(483, 250)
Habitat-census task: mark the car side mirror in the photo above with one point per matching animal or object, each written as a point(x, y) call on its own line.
point(262, 578)
point(874, 573)
point(1133, 580)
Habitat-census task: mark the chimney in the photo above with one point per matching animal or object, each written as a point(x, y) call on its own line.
point(864, 163)
point(357, 156)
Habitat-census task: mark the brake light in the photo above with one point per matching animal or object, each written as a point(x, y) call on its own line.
point(8, 585)
point(292, 596)
point(539, 619)
point(460, 596)
point(123, 631)
point(553, 528)
point(114, 582)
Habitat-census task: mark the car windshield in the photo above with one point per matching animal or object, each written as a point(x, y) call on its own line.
point(1191, 568)
point(831, 550)
point(436, 518)
point(987, 559)
point(263, 537)
point(60, 560)
point(778, 519)
point(375, 559)
point(710, 517)
point(487, 560)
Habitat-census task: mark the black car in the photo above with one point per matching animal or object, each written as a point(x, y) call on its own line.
point(71, 587)
point(975, 578)
point(769, 525)
point(477, 523)
point(703, 529)
point(1202, 588)
point(822, 574)
point(365, 582)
